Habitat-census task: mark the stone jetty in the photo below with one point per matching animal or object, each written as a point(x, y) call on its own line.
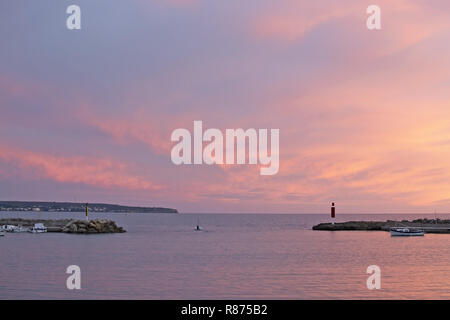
point(68, 225)
point(92, 226)
point(428, 225)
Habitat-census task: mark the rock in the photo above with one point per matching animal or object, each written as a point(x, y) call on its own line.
point(93, 226)
point(73, 228)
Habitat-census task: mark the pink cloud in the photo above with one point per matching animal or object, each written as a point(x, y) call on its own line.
point(151, 129)
point(404, 23)
point(370, 129)
point(99, 172)
point(292, 20)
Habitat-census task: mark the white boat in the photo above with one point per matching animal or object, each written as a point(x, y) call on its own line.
point(20, 229)
point(16, 229)
point(38, 228)
point(402, 232)
point(2, 233)
point(8, 228)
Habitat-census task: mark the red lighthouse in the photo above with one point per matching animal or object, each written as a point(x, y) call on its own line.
point(333, 212)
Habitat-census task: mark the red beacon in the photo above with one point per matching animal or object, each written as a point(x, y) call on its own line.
point(333, 212)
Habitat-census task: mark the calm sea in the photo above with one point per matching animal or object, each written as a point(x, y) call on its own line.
point(235, 257)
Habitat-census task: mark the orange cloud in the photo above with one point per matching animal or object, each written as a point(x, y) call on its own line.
point(372, 127)
point(100, 172)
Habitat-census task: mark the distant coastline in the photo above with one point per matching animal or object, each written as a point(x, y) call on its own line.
point(78, 207)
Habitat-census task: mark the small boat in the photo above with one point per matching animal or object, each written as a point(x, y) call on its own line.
point(198, 228)
point(2, 233)
point(14, 229)
point(20, 229)
point(8, 228)
point(398, 232)
point(38, 228)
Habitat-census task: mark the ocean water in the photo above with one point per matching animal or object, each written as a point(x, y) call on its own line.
point(237, 256)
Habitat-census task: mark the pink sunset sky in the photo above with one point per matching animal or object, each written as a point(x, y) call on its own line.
point(364, 116)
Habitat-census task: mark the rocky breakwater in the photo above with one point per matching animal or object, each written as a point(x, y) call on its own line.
point(92, 227)
point(67, 225)
point(428, 225)
point(351, 225)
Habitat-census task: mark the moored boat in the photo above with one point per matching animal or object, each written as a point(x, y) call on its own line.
point(14, 229)
point(7, 228)
point(398, 232)
point(20, 229)
point(38, 228)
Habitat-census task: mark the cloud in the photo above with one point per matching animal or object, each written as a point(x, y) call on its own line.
point(100, 172)
point(363, 116)
point(404, 23)
point(293, 20)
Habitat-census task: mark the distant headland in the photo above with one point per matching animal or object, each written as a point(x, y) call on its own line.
point(77, 207)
